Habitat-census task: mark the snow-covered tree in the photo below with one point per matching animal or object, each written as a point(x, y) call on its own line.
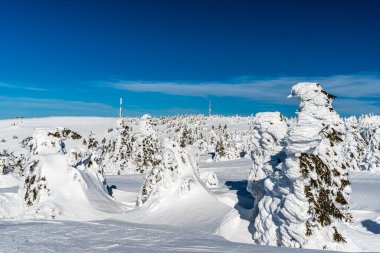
point(355, 146)
point(132, 150)
point(60, 182)
point(11, 163)
point(371, 161)
point(222, 142)
point(177, 173)
point(34, 185)
point(269, 130)
point(117, 154)
point(306, 197)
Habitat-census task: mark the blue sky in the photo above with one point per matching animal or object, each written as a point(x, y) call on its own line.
point(170, 57)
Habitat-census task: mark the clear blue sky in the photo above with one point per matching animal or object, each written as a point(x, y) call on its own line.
point(169, 57)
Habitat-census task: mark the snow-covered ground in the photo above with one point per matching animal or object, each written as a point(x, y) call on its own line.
point(207, 219)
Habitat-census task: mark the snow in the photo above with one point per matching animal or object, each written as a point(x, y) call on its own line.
point(185, 199)
point(120, 235)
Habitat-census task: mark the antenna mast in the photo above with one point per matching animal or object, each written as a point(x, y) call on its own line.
point(121, 108)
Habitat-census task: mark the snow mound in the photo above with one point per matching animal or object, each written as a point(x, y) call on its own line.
point(175, 175)
point(174, 188)
point(209, 178)
point(60, 185)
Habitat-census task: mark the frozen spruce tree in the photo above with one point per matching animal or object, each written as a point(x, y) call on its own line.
point(305, 200)
point(11, 163)
point(269, 130)
point(354, 146)
point(117, 153)
point(59, 182)
point(223, 143)
point(175, 176)
point(132, 148)
point(371, 161)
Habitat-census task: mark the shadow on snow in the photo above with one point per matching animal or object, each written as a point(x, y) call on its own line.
point(371, 226)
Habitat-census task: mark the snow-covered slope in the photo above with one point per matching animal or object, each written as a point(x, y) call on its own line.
point(182, 181)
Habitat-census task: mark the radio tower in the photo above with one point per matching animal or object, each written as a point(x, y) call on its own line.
point(209, 108)
point(121, 108)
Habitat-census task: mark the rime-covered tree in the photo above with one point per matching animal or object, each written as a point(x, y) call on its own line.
point(132, 150)
point(11, 163)
point(269, 130)
point(355, 146)
point(306, 197)
point(176, 173)
point(371, 161)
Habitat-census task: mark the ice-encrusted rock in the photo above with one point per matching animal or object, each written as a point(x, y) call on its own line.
point(306, 197)
point(269, 130)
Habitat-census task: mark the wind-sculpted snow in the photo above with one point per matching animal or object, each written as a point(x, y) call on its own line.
point(306, 197)
point(209, 178)
point(269, 131)
point(177, 175)
point(59, 184)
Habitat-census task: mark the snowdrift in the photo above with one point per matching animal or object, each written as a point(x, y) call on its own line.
point(69, 185)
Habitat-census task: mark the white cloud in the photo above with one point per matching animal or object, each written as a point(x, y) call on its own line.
point(356, 93)
point(353, 86)
point(22, 87)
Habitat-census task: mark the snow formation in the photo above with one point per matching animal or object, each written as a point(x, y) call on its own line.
point(269, 129)
point(58, 183)
point(129, 151)
point(306, 197)
point(298, 179)
point(177, 175)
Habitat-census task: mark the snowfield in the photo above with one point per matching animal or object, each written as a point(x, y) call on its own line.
point(192, 183)
point(228, 232)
